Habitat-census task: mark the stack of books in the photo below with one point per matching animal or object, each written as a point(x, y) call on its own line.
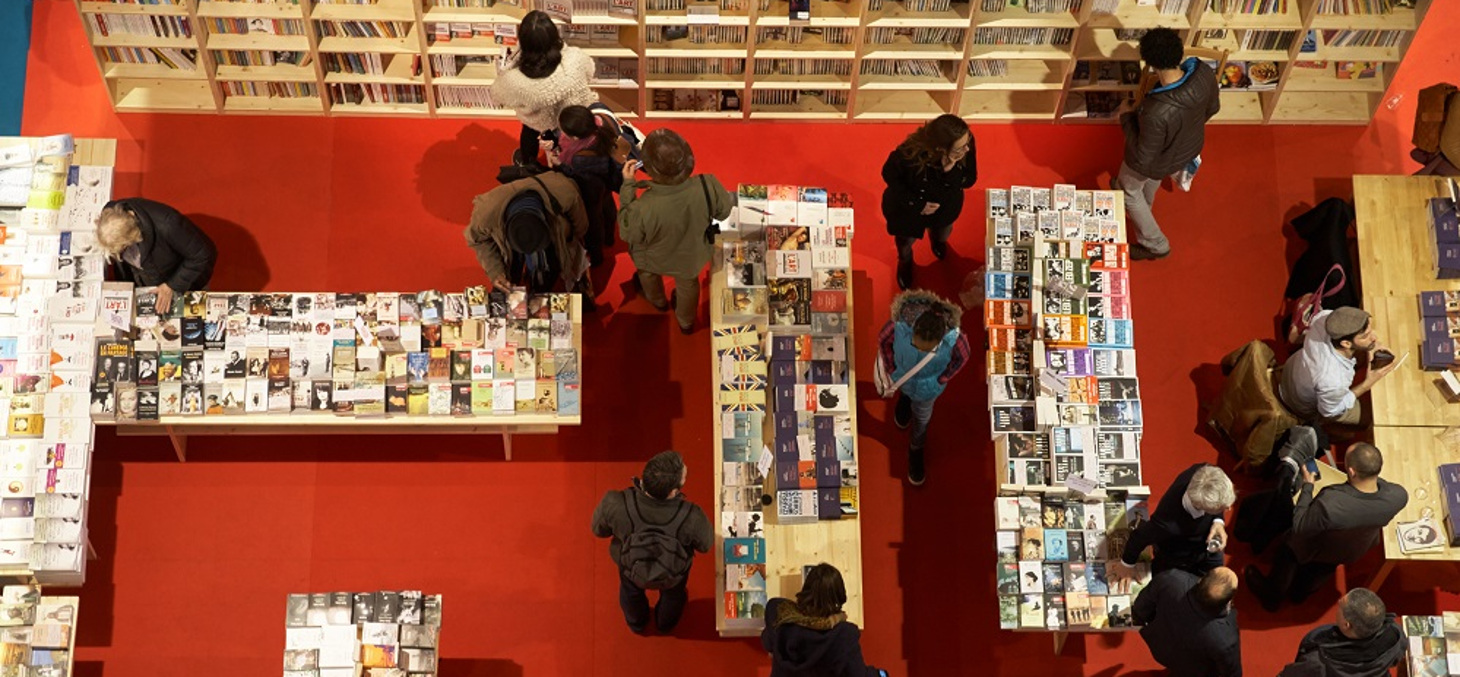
point(1063, 393)
point(1450, 489)
point(38, 632)
point(50, 289)
point(1445, 231)
point(475, 353)
point(1440, 313)
point(1052, 562)
point(362, 634)
point(1434, 644)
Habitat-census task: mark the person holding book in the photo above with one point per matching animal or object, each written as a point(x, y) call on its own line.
point(655, 531)
point(810, 636)
point(539, 80)
point(530, 231)
point(1189, 624)
point(1164, 134)
point(923, 349)
point(157, 247)
point(592, 149)
point(1318, 382)
point(1337, 527)
point(1365, 641)
point(926, 176)
point(1186, 531)
point(667, 228)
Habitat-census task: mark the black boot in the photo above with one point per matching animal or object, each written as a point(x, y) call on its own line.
point(917, 472)
point(904, 275)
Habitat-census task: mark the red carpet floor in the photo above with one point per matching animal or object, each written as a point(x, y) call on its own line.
point(196, 558)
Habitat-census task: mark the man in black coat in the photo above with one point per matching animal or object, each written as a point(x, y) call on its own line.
point(158, 246)
point(1189, 623)
point(1165, 134)
point(1365, 642)
point(1186, 531)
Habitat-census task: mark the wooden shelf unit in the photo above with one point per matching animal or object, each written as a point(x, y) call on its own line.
point(1035, 83)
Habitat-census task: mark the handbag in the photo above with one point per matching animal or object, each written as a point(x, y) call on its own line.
point(1303, 310)
point(882, 376)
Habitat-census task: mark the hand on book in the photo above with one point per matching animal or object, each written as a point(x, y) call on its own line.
point(164, 299)
point(501, 282)
point(1117, 571)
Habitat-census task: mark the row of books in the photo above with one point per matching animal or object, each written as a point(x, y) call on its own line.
point(1264, 40)
point(37, 633)
point(1023, 36)
point(451, 65)
point(177, 59)
point(1174, 7)
point(364, 29)
point(743, 472)
point(375, 93)
point(278, 90)
point(500, 33)
point(50, 278)
point(1363, 38)
point(255, 25)
point(623, 72)
point(460, 354)
point(988, 68)
point(1052, 556)
point(344, 634)
point(1434, 644)
point(466, 96)
point(365, 63)
point(1248, 6)
point(156, 25)
point(1440, 313)
point(682, 5)
point(1444, 229)
point(240, 57)
point(1362, 6)
point(800, 67)
point(917, 36)
point(792, 97)
point(1032, 6)
point(828, 35)
point(922, 68)
point(1106, 73)
point(658, 65)
point(699, 100)
point(696, 35)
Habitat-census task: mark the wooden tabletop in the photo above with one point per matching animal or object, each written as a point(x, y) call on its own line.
point(1397, 262)
point(1412, 456)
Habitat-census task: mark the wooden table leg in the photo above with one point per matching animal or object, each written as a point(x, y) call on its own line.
point(507, 444)
point(179, 444)
point(1380, 577)
point(1059, 641)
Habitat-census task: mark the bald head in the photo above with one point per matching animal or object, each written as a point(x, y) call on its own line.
point(1214, 592)
point(1364, 460)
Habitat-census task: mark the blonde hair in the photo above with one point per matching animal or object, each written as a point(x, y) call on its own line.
point(117, 229)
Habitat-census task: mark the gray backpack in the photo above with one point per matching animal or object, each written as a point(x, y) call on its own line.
point(652, 557)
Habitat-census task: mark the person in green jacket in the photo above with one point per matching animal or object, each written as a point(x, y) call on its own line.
point(665, 226)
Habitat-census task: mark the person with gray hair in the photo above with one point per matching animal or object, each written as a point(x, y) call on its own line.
point(1338, 527)
point(1366, 641)
point(1186, 531)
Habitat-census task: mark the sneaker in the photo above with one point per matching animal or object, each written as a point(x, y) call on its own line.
point(686, 330)
point(1139, 252)
point(904, 276)
point(902, 412)
point(1255, 581)
point(916, 472)
point(940, 250)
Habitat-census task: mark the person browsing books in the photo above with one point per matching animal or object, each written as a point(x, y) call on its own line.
point(666, 227)
point(1337, 527)
point(810, 636)
point(1365, 641)
point(1318, 382)
point(592, 150)
point(926, 176)
point(1186, 531)
point(1164, 134)
point(922, 346)
point(655, 531)
point(1189, 624)
point(531, 230)
point(157, 247)
point(539, 80)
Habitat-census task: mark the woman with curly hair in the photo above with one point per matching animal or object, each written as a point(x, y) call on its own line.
point(926, 177)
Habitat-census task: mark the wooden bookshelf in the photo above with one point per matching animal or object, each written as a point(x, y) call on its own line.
point(1036, 84)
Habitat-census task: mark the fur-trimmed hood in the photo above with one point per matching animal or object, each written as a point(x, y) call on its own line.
point(537, 102)
point(907, 306)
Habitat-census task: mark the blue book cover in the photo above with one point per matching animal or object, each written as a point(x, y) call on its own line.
point(1444, 220)
point(1056, 548)
point(568, 399)
point(1433, 304)
point(1438, 353)
point(745, 551)
point(1448, 260)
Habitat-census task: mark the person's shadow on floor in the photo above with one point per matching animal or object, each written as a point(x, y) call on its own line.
point(446, 191)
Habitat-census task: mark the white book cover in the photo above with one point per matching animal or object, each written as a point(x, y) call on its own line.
point(792, 264)
point(60, 506)
point(296, 639)
point(58, 557)
point(17, 528)
point(337, 648)
point(60, 405)
point(504, 396)
point(53, 530)
point(831, 257)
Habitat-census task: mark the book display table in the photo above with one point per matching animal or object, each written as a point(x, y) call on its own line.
point(1397, 261)
point(1434, 644)
point(1064, 407)
point(222, 363)
point(345, 634)
point(785, 415)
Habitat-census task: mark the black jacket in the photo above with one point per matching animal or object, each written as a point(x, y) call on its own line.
point(1170, 127)
point(798, 651)
point(1326, 652)
point(1186, 639)
point(909, 188)
point(1180, 540)
point(174, 250)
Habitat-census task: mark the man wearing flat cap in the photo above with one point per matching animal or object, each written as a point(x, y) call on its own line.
point(530, 232)
point(1318, 382)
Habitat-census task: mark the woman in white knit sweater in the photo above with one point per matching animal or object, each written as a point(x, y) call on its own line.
point(540, 80)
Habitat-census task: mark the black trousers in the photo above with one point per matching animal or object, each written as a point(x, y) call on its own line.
point(527, 144)
point(1295, 580)
point(905, 244)
point(635, 603)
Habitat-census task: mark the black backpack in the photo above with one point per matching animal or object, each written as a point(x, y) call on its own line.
point(652, 557)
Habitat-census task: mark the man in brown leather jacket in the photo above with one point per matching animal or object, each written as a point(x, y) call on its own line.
point(1164, 134)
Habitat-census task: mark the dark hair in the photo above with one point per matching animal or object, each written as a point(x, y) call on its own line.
point(931, 142)
point(822, 593)
point(932, 325)
point(667, 157)
point(1161, 48)
point(542, 47)
point(1364, 611)
point(1336, 340)
point(662, 474)
point(581, 123)
point(1213, 592)
point(1365, 459)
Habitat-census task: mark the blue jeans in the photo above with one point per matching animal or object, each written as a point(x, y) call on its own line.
point(922, 412)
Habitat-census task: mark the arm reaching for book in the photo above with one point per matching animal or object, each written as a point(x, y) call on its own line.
point(192, 245)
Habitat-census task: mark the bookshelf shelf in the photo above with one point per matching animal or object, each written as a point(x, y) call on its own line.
point(274, 105)
point(1033, 81)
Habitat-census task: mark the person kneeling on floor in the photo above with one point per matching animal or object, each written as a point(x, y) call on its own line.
point(530, 231)
point(925, 349)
